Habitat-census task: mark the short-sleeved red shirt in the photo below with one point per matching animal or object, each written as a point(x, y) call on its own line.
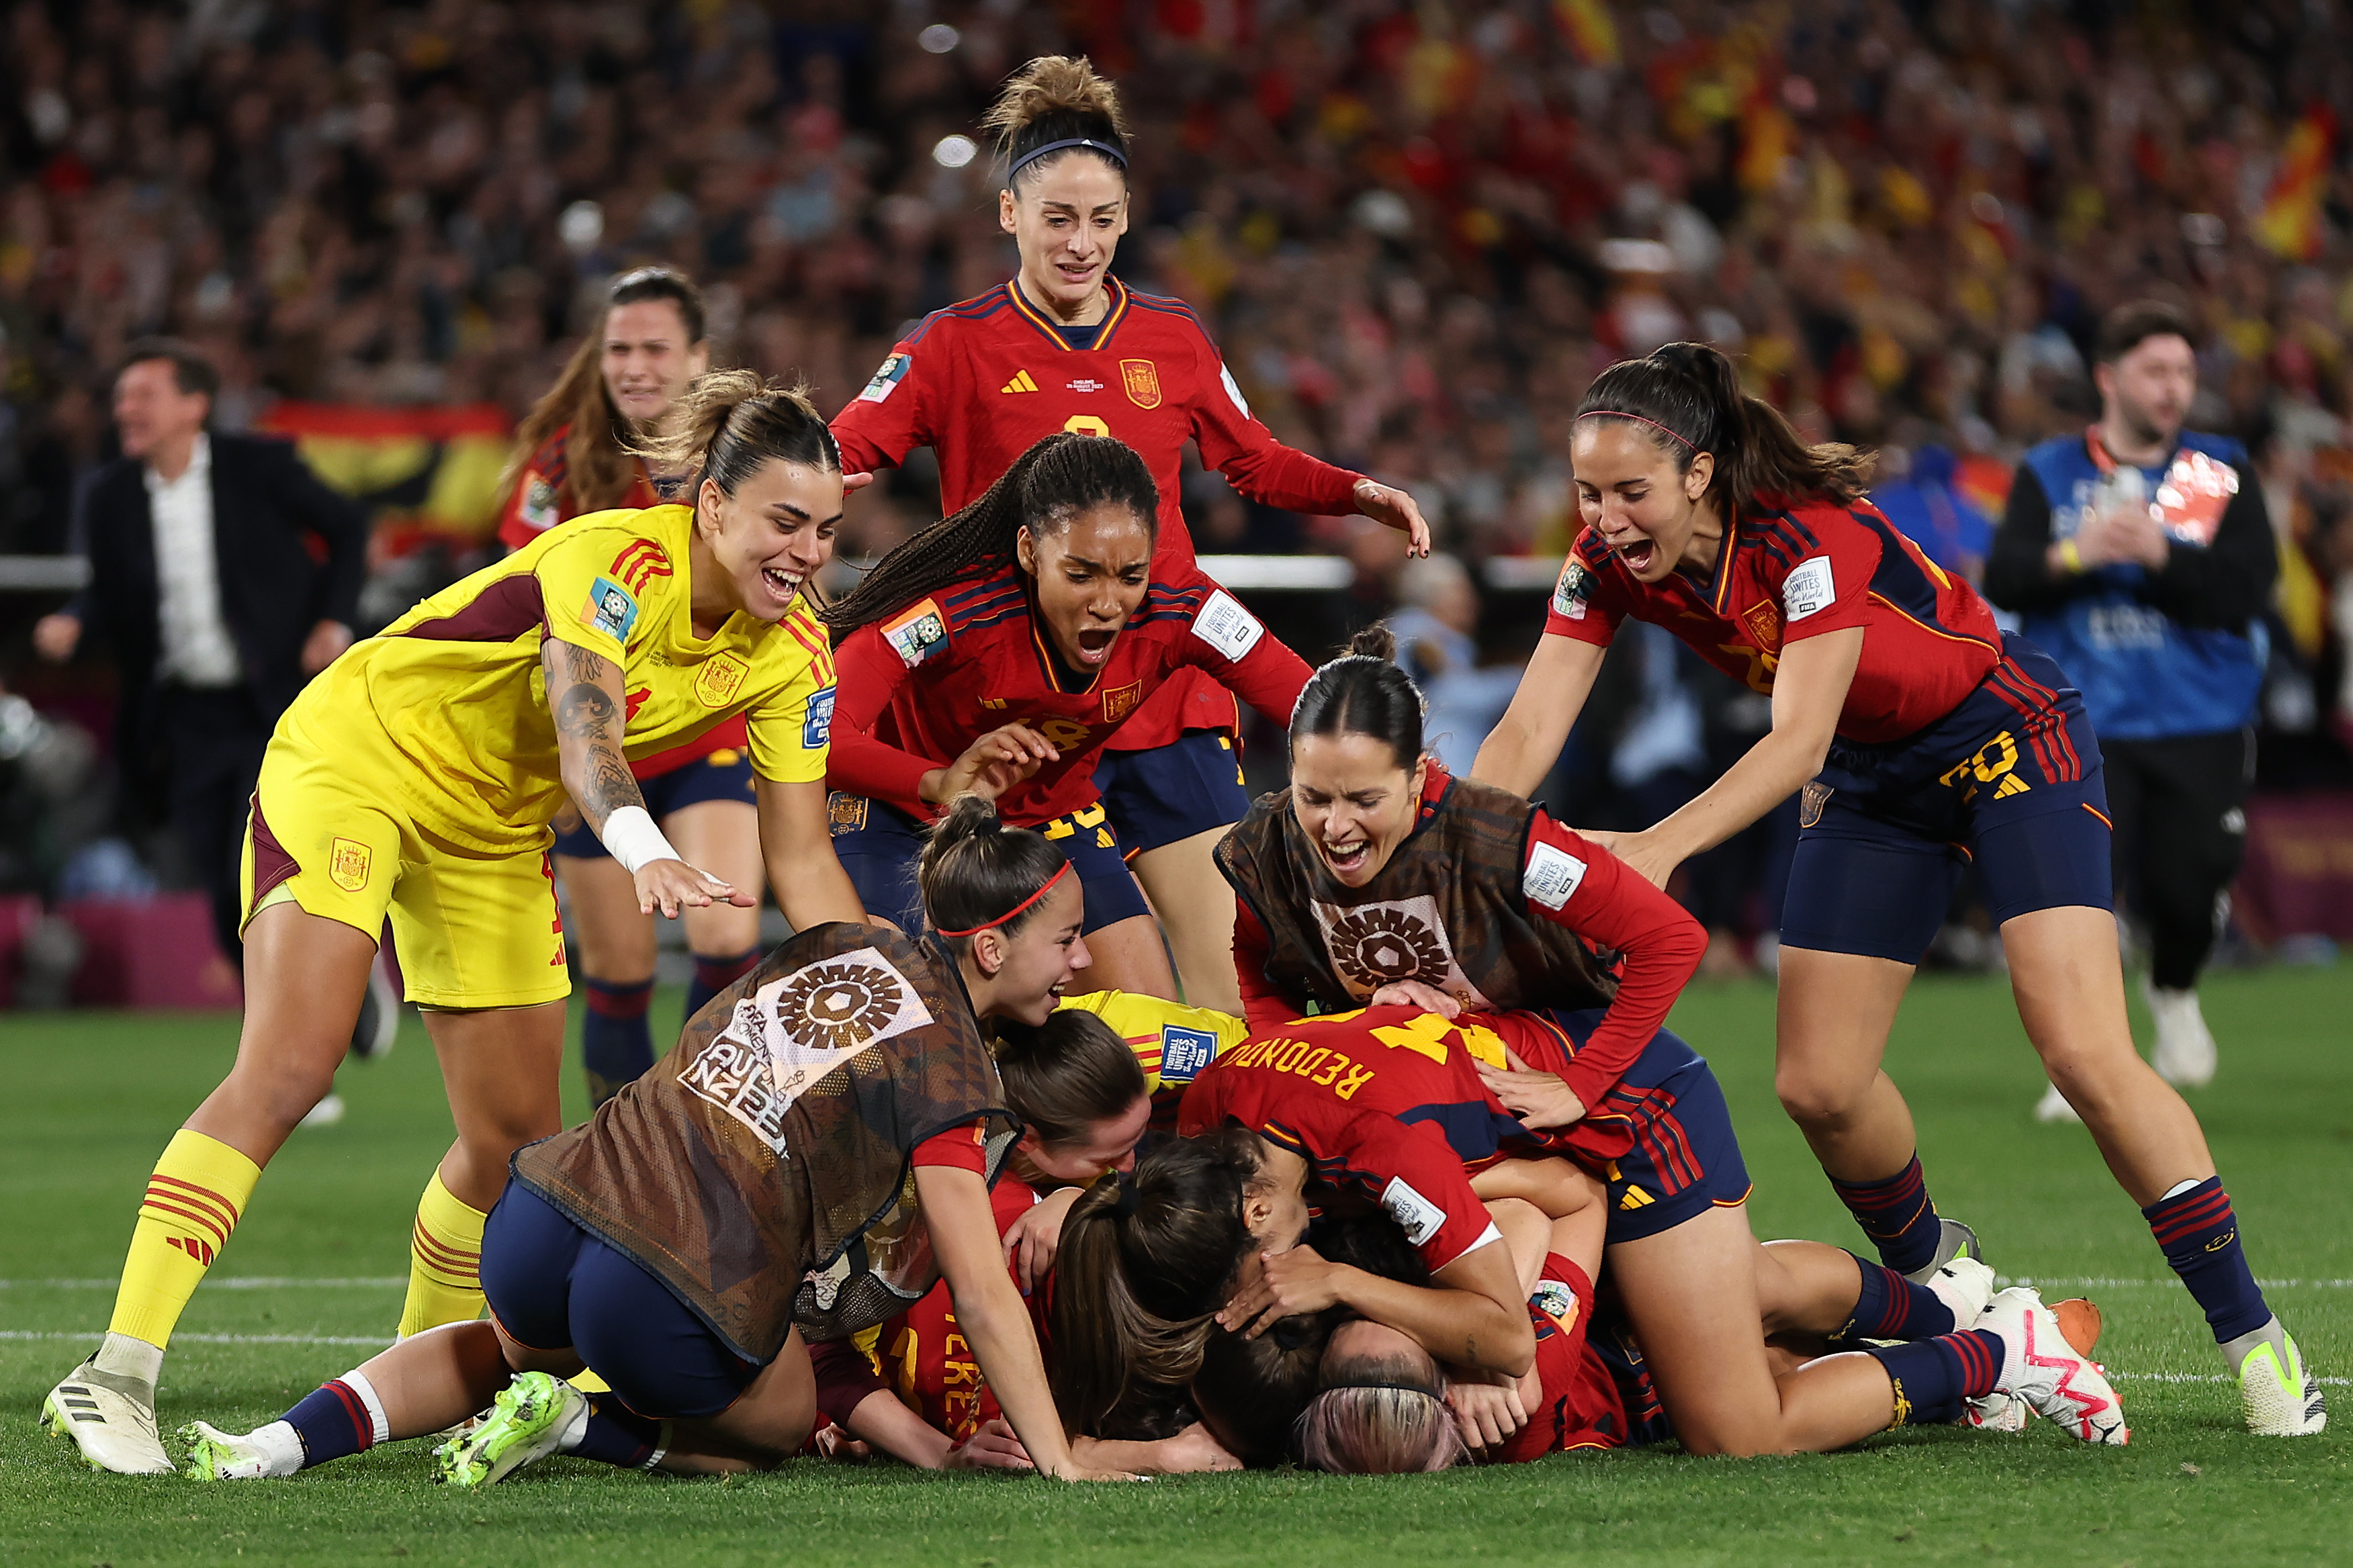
point(1577, 1404)
point(1786, 575)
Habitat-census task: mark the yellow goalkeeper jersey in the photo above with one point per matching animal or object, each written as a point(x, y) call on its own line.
point(1172, 1042)
point(454, 687)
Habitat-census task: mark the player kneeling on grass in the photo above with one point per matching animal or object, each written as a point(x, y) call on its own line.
point(836, 1119)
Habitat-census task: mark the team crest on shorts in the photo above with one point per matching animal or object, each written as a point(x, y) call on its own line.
point(1810, 801)
point(721, 676)
point(1119, 703)
point(1400, 939)
point(845, 812)
point(1141, 378)
point(916, 632)
point(798, 1028)
point(347, 864)
point(609, 609)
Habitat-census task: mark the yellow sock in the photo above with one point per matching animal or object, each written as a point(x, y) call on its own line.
point(445, 1262)
point(199, 1188)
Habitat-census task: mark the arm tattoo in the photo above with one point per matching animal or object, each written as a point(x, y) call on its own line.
point(589, 726)
point(586, 713)
point(610, 785)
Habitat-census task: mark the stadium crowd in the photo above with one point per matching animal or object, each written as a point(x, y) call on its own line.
point(1416, 232)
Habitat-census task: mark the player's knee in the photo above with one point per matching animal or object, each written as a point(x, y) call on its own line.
point(285, 1094)
point(1814, 1098)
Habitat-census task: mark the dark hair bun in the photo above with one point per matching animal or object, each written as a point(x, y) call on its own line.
point(1376, 641)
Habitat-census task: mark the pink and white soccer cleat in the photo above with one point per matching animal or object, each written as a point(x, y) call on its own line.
point(2055, 1379)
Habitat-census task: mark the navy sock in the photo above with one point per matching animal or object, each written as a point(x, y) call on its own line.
point(712, 975)
point(2201, 1237)
point(1891, 1306)
point(332, 1421)
point(615, 1044)
point(1933, 1376)
point(616, 1435)
point(1897, 1216)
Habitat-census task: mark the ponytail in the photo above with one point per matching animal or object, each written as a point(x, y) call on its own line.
point(1364, 692)
point(977, 873)
point(1686, 399)
point(730, 422)
point(1146, 1259)
point(1047, 487)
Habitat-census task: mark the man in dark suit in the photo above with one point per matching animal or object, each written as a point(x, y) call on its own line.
point(223, 576)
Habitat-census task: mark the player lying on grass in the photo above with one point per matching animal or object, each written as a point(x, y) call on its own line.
point(1924, 738)
point(998, 651)
point(416, 777)
point(1352, 1101)
point(811, 1159)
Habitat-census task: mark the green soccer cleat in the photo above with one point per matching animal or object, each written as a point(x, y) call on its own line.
point(271, 1452)
point(2279, 1398)
point(537, 1415)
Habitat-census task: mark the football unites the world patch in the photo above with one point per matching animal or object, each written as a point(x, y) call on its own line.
point(610, 609)
point(1225, 626)
point(917, 631)
point(1809, 588)
point(1552, 876)
point(817, 722)
point(1184, 1052)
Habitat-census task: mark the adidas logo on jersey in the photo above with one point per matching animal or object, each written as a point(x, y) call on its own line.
point(1021, 383)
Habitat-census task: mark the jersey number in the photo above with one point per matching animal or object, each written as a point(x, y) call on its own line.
point(1086, 425)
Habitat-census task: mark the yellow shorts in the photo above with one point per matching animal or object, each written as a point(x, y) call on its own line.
point(473, 928)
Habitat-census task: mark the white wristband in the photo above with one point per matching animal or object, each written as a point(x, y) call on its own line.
point(631, 838)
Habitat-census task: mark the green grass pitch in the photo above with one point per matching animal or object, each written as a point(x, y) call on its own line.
point(311, 1280)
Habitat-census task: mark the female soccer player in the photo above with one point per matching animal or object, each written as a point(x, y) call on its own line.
point(1063, 345)
point(791, 1111)
point(1000, 650)
point(1923, 736)
point(576, 452)
point(416, 776)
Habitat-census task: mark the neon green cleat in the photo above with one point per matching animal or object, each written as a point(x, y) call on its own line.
point(2278, 1398)
point(217, 1456)
point(536, 1415)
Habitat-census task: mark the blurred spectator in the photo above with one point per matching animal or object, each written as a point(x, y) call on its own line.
point(1436, 634)
point(204, 590)
point(2139, 557)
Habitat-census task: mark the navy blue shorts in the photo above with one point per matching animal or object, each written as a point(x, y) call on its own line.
point(553, 1285)
point(2011, 781)
point(1171, 793)
point(1685, 1159)
point(880, 847)
point(722, 775)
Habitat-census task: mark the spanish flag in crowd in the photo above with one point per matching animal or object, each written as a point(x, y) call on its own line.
point(1592, 35)
point(2289, 224)
point(435, 470)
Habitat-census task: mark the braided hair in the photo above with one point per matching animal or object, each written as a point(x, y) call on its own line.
point(1047, 487)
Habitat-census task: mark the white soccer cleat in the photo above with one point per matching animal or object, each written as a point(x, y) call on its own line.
point(267, 1454)
point(1965, 1286)
point(2184, 1056)
point(111, 1419)
point(2053, 1107)
point(2051, 1376)
point(1995, 1413)
point(2279, 1398)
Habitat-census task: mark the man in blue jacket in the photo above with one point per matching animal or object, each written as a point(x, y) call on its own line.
point(2138, 555)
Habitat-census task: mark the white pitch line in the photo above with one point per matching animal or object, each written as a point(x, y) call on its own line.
point(2207, 1377)
point(234, 1282)
point(375, 1340)
point(2156, 1284)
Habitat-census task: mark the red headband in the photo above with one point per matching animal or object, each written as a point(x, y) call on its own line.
point(972, 931)
point(1621, 414)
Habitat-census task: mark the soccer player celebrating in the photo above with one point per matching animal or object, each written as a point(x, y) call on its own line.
point(1923, 736)
point(1064, 346)
point(1000, 649)
point(576, 452)
point(416, 778)
point(789, 1118)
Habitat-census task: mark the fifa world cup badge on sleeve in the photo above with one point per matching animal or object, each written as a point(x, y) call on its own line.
point(1568, 596)
point(539, 504)
point(1225, 626)
point(721, 676)
point(610, 610)
point(887, 377)
point(916, 632)
point(1808, 588)
point(817, 725)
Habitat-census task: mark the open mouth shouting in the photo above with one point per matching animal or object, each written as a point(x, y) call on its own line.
point(783, 584)
point(1094, 645)
point(1637, 551)
point(1347, 859)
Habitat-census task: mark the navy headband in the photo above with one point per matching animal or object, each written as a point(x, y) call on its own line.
point(1031, 156)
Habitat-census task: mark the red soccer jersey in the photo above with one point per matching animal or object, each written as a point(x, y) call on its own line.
point(983, 382)
point(1576, 1404)
point(541, 500)
point(1385, 1103)
point(918, 687)
point(925, 1357)
point(1784, 575)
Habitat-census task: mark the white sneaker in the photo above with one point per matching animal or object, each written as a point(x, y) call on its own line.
point(1965, 1286)
point(2279, 1399)
point(265, 1454)
point(111, 1419)
point(2042, 1369)
point(2053, 1107)
point(2184, 1055)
